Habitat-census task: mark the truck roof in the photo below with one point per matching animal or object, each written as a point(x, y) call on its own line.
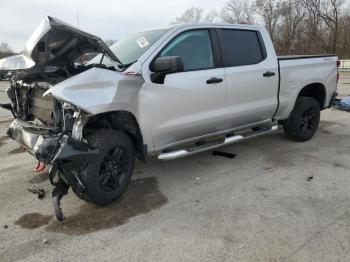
point(216, 25)
point(209, 25)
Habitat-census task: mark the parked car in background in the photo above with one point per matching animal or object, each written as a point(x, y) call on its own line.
point(3, 74)
point(10, 64)
point(6, 74)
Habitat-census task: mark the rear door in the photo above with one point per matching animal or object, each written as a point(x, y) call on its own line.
point(251, 75)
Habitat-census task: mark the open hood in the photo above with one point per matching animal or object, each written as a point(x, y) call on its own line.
point(57, 43)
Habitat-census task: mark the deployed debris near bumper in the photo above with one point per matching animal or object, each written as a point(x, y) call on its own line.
point(66, 156)
point(40, 192)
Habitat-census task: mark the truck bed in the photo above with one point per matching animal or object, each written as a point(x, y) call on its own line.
point(298, 71)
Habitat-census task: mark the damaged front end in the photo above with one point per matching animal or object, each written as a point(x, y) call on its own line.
point(51, 129)
point(55, 146)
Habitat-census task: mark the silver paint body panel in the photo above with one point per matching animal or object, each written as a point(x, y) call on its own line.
point(298, 73)
point(185, 108)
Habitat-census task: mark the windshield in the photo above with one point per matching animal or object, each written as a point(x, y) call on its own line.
point(131, 48)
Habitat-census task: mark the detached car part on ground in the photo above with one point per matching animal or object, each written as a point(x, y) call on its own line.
point(169, 92)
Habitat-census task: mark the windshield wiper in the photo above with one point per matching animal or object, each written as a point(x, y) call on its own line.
point(103, 56)
point(125, 66)
point(120, 65)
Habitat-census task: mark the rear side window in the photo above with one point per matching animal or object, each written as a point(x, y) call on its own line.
point(240, 48)
point(195, 49)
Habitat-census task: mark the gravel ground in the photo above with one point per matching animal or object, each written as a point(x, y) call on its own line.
point(276, 201)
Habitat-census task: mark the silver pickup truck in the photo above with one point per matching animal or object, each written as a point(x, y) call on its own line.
point(169, 92)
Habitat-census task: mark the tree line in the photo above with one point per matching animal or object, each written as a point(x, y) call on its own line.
point(296, 27)
point(5, 50)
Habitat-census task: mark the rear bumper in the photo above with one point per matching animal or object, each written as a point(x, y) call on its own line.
point(50, 146)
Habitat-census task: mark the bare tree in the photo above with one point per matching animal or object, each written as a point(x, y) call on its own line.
point(343, 49)
point(270, 13)
point(238, 12)
point(211, 17)
point(5, 50)
point(191, 15)
point(328, 12)
point(292, 16)
point(295, 26)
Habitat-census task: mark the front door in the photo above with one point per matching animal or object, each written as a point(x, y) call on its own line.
point(191, 103)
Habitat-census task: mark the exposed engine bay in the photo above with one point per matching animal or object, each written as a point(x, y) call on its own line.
point(28, 102)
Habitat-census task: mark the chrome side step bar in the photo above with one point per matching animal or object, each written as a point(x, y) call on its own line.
point(228, 140)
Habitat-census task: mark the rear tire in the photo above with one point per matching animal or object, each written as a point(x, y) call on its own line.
point(107, 176)
point(303, 122)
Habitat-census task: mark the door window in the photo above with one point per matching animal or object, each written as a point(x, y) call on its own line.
point(240, 47)
point(195, 49)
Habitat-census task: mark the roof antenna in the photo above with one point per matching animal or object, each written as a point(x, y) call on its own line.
point(77, 19)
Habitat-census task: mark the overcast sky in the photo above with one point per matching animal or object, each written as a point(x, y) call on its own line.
point(108, 19)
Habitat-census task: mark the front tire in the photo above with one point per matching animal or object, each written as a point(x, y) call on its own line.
point(304, 120)
point(107, 176)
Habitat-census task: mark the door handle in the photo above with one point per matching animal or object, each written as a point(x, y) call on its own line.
point(214, 80)
point(269, 74)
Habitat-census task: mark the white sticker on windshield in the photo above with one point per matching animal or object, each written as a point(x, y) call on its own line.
point(142, 42)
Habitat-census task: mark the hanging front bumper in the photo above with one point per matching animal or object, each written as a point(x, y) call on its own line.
point(49, 145)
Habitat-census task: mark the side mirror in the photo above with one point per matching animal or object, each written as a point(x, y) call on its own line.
point(165, 65)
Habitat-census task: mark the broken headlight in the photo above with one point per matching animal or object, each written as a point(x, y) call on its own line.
point(69, 113)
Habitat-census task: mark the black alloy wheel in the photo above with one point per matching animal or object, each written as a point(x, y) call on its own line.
point(303, 121)
point(113, 169)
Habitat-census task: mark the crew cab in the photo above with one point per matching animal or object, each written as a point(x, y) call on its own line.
point(169, 92)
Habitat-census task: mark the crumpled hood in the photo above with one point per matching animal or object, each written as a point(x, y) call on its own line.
point(93, 90)
point(98, 90)
point(57, 43)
